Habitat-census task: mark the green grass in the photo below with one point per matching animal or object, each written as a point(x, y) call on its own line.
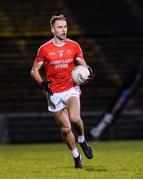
point(113, 159)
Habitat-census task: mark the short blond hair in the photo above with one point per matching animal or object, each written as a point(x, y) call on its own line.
point(55, 18)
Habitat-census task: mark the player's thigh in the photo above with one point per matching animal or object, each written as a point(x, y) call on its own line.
point(73, 107)
point(62, 118)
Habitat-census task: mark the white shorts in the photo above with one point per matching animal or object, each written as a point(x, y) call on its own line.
point(56, 102)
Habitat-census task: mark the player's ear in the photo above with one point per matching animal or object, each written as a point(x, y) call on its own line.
point(52, 30)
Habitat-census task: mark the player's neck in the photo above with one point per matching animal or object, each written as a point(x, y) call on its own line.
point(58, 41)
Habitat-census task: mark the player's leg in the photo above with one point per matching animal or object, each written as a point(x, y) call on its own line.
point(73, 107)
point(64, 124)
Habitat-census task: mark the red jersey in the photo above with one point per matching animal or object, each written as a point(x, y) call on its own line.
point(58, 62)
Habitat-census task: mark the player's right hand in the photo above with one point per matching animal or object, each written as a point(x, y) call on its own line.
point(45, 86)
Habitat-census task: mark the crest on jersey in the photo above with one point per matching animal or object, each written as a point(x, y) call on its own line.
point(68, 51)
point(60, 53)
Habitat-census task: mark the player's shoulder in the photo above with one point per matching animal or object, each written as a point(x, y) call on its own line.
point(45, 45)
point(72, 42)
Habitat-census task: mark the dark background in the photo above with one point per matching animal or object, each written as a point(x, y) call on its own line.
point(111, 36)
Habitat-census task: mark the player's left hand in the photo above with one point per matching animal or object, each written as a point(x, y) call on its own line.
point(92, 75)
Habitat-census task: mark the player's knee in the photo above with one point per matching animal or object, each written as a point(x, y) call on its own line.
point(65, 131)
point(75, 119)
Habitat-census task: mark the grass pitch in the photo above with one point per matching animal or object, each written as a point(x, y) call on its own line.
point(112, 159)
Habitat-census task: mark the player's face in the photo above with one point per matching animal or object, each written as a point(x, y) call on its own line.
point(60, 29)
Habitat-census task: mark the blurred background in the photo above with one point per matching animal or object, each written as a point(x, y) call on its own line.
point(111, 36)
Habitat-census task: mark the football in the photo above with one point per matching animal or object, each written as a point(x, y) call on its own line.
point(80, 74)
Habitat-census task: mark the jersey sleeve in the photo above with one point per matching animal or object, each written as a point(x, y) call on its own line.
point(79, 53)
point(40, 58)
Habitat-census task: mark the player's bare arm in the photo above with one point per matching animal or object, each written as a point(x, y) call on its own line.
point(36, 75)
point(81, 62)
point(35, 72)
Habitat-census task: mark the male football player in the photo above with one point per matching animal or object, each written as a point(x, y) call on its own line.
point(59, 56)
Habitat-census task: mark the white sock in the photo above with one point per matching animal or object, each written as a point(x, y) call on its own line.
point(81, 139)
point(75, 153)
